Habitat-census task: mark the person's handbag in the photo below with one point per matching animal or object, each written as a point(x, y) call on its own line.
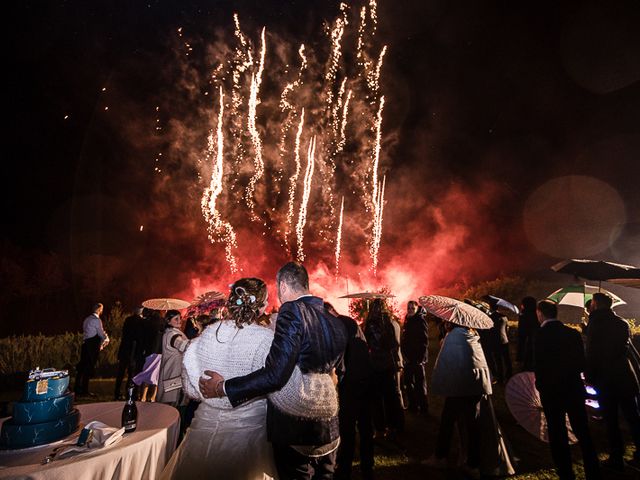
point(172, 384)
point(307, 395)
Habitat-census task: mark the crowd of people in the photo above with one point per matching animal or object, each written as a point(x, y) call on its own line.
point(285, 395)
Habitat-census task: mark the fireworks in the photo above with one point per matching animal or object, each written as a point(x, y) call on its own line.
point(377, 196)
point(254, 157)
point(293, 180)
point(218, 228)
point(339, 237)
point(302, 216)
point(256, 80)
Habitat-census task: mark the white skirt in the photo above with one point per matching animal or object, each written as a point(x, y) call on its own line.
point(225, 444)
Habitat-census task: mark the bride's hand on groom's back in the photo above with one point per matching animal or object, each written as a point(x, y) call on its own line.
point(210, 384)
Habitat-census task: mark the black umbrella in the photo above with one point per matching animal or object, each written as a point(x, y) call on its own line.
point(597, 270)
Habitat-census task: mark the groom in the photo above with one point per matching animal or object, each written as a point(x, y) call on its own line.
point(308, 336)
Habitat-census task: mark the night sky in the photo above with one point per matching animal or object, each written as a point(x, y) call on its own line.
point(503, 120)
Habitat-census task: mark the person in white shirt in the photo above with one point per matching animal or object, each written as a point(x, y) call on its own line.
point(94, 339)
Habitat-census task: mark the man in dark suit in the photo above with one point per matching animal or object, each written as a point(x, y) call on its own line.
point(559, 361)
point(355, 380)
point(414, 345)
point(130, 344)
point(611, 373)
point(304, 446)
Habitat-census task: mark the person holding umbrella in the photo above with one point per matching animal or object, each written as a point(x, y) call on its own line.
point(461, 375)
point(500, 341)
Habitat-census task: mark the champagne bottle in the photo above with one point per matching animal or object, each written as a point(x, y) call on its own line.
point(130, 411)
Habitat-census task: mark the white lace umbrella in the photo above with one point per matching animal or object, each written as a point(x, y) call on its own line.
point(165, 304)
point(523, 400)
point(455, 311)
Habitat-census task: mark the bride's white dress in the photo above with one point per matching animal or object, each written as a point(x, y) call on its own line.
point(224, 442)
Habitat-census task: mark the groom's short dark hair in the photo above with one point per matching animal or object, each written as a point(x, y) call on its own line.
point(294, 275)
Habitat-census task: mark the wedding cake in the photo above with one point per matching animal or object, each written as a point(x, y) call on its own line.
point(44, 414)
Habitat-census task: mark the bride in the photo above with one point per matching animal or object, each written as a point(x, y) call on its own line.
point(226, 442)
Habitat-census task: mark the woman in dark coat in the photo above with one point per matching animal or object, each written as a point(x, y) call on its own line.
point(385, 360)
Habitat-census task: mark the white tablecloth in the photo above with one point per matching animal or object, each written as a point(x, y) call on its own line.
point(139, 455)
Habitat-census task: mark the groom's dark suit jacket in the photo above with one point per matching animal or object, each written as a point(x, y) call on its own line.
point(306, 335)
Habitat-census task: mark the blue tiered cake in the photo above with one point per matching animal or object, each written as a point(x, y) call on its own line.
point(45, 412)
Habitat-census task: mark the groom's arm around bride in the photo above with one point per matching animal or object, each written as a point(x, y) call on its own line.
point(309, 342)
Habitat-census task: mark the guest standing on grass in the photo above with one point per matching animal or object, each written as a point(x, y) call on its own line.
point(355, 381)
point(559, 363)
point(528, 326)
point(154, 326)
point(174, 343)
point(500, 351)
point(415, 341)
point(610, 371)
point(94, 339)
point(461, 375)
point(130, 341)
point(388, 415)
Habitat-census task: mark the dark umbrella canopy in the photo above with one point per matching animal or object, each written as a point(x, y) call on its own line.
point(597, 269)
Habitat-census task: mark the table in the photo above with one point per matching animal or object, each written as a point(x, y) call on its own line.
point(139, 455)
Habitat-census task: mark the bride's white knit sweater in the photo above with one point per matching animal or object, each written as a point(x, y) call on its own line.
point(233, 352)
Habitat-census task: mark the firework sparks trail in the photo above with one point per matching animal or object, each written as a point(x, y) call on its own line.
point(336, 52)
point(376, 152)
point(256, 80)
point(329, 167)
point(373, 13)
point(335, 124)
point(241, 62)
point(290, 87)
point(217, 227)
point(293, 180)
point(302, 216)
point(343, 125)
point(376, 77)
point(377, 226)
point(289, 109)
point(339, 237)
point(376, 196)
point(361, 31)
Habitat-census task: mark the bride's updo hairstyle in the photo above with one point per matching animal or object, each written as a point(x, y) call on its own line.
point(247, 297)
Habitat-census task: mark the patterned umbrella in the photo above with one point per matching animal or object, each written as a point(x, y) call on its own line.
point(207, 303)
point(165, 304)
point(455, 311)
point(523, 400)
point(579, 295)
